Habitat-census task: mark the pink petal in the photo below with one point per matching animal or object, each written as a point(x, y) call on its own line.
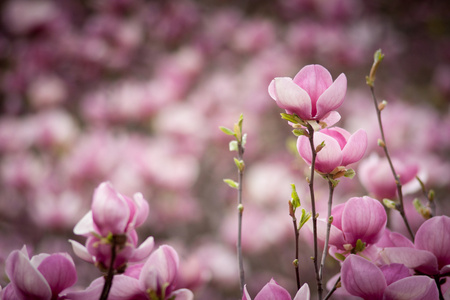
point(394, 272)
point(331, 118)
point(160, 269)
point(59, 271)
point(110, 210)
point(81, 251)
point(362, 278)
point(142, 209)
point(336, 212)
point(85, 226)
point(355, 148)
point(336, 235)
point(272, 291)
point(328, 158)
point(303, 293)
point(292, 98)
point(143, 251)
point(125, 287)
point(363, 218)
point(339, 134)
point(421, 260)
point(434, 236)
point(93, 291)
point(412, 288)
point(332, 98)
point(27, 280)
point(394, 239)
point(182, 294)
point(314, 79)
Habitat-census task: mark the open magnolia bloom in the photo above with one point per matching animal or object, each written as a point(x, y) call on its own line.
point(113, 216)
point(340, 149)
point(42, 277)
point(312, 94)
point(360, 277)
point(430, 253)
point(155, 279)
point(273, 290)
point(360, 218)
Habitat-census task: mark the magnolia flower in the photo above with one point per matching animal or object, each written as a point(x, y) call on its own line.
point(274, 291)
point(312, 94)
point(155, 279)
point(341, 149)
point(113, 217)
point(42, 277)
point(362, 278)
point(431, 251)
point(376, 176)
point(360, 218)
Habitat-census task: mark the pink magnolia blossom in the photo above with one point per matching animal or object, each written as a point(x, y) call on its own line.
point(376, 175)
point(112, 214)
point(312, 94)
point(360, 277)
point(360, 218)
point(273, 290)
point(42, 277)
point(155, 279)
point(431, 251)
point(341, 148)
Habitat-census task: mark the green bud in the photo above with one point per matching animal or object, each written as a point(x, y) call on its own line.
point(350, 173)
point(239, 164)
point(360, 246)
point(377, 58)
point(304, 218)
point(233, 184)
point(300, 131)
point(226, 130)
point(320, 147)
point(339, 256)
point(295, 262)
point(381, 143)
point(431, 195)
point(382, 105)
point(240, 207)
point(295, 200)
point(389, 203)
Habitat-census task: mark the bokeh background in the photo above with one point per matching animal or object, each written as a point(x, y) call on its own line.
point(133, 92)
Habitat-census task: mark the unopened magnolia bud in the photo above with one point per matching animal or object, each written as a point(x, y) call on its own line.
point(240, 208)
point(295, 262)
point(381, 143)
point(382, 105)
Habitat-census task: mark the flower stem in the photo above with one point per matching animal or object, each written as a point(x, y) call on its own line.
point(109, 277)
point(296, 232)
point(400, 207)
point(240, 214)
point(331, 187)
point(335, 286)
point(313, 209)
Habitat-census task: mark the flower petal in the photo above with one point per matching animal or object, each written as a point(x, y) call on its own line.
point(303, 293)
point(292, 98)
point(355, 148)
point(412, 288)
point(332, 98)
point(125, 287)
point(59, 271)
point(363, 218)
point(143, 251)
point(362, 278)
point(29, 283)
point(315, 80)
point(81, 251)
point(394, 272)
point(182, 294)
point(160, 269)
point(110, 210)
point(331, 118)
point(434, 236)
point(421, 260)
point(85, 226)
point(272, 291)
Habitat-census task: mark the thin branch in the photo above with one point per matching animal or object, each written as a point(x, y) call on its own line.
point(331, 187)
point(240, 214)
point(109, 277)
point(400, 207)
point(335, 286)
point(297, 272)
point(313, 208)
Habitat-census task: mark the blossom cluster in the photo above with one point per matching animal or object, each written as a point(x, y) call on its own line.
point(131, 92)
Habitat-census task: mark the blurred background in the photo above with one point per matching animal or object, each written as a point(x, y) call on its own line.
point(133, 92)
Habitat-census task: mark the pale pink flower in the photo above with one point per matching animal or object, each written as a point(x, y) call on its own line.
point(312, 94)
point(341, 148)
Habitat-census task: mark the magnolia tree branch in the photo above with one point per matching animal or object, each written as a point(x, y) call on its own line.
point(331, 185)
point(240, 212)
point(313, 208)
point(382, 142)
point(110, 275)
